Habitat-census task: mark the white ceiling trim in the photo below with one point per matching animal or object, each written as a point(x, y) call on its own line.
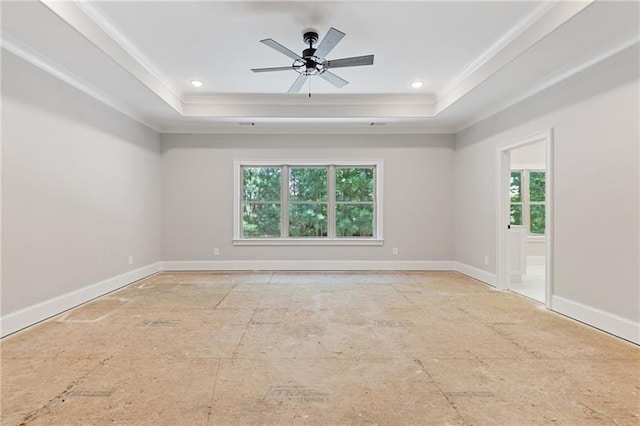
point(319, 99)
point(353, 129)
point(99, 29)
point(109, 27)
point(222, 112)
point(546, 24)
point(47, 65)
point(301, 106)
point(551, 81)
point(84, 24)
point(380, 111)
point(507, 38)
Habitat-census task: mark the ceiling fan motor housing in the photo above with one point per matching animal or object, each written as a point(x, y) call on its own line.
point(310, 61)
point(310, 37)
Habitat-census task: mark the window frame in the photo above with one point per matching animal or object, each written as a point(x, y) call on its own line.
point(284, 239)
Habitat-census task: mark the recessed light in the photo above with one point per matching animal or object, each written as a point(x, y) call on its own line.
point(197, 83)
point(417, 84)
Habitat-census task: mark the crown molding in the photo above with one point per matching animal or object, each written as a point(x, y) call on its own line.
point(90, 22)
point(520, 41)
point(303, 99)
point(49, 66)
point(556, 78)
point(275, 110)
point(333, 129)
point(110, 28)
point(221, 112)
point(498, 46)
point(86, 26)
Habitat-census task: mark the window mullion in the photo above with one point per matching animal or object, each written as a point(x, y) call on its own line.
point(284, 202)
point(331, 201)
point(241, 202)
point(526, 206)
point(375, 202)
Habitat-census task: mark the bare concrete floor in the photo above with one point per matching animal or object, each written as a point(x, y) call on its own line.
point(424, 348)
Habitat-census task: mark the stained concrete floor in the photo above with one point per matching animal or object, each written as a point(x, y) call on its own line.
point(423, 348)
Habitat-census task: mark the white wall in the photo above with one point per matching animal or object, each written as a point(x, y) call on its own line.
point(594, 117)
point(80, 190)
point(197, 175)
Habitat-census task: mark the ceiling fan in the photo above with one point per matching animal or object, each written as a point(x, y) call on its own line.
point(313, 62)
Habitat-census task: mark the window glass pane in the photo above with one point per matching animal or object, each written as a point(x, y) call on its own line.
point(537, 219)
point(516, 214)
point(354, 220)
point(308, 184)
point(536, 186)
point(354, 183)
point(261, 184)
point(261, 220)
point(308, 220)
point(515, 186)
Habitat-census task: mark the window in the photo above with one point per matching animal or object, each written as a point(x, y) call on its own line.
point(354, 201)
point(527, 191)
point(308, 203)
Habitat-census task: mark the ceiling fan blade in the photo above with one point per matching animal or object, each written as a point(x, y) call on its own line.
point(280, 48)
point(272, 69)
point(329, 42)
point(356, 61)
point(297, 85)
point(334, 79)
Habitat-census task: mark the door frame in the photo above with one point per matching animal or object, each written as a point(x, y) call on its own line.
point(503, 174)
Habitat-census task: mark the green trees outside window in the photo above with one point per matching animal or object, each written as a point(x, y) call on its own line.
point(315, 201)
point(308, 202)
point(536, 202)
point(354, 201)
point(261, 201)
point(527, 200)
point(515, 192)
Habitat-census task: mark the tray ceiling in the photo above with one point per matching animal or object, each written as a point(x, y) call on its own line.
point(140, 58)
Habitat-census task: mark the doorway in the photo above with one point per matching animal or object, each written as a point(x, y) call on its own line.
point(524, 231)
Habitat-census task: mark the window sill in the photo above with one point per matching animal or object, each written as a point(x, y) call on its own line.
point(308, 242)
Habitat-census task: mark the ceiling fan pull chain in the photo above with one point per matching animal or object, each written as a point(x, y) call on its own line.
point(309, 87)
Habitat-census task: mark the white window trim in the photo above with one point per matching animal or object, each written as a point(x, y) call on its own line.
point(297, 241)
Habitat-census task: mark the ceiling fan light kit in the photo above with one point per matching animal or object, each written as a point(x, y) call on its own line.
point(313, 62)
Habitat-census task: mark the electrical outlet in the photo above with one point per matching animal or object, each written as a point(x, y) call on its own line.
point(395, 251)
point(216, 251)
point(486, 260)
point(130, 260)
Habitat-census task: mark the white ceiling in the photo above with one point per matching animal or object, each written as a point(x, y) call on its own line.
point(218, 42)
point(475, 58)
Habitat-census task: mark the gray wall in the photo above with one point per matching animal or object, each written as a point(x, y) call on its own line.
point(197, 172)
point(594, 116)
point(80, 189)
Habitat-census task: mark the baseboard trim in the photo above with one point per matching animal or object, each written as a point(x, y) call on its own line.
point(17, 320)
point(605, 321)
point(473, 272)
point(31, 315)
point(308, 265)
